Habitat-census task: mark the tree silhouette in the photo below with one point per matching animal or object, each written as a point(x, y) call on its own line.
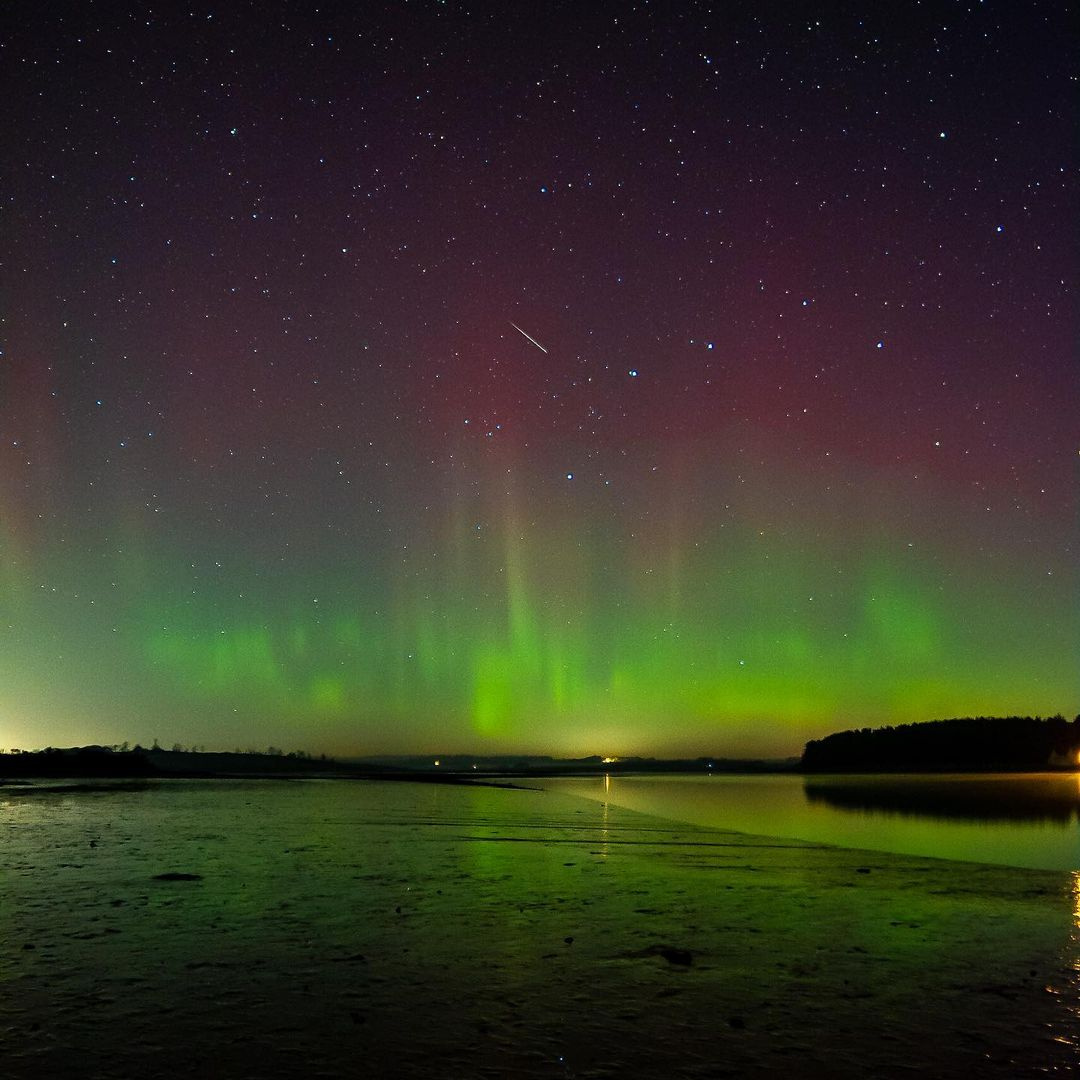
point(1008, 743)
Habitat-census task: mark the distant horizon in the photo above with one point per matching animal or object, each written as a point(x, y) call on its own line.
point(434, 757)
point(672, 753)
point(421, 753)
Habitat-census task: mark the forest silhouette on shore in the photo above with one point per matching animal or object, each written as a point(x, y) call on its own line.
point(965, 744)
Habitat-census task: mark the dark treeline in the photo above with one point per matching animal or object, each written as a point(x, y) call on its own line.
point(139, 762)
point(968, 744)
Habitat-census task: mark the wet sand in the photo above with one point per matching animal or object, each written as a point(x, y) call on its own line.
point(334, 929)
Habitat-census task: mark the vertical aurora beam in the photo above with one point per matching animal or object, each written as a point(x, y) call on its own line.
point(562, 628)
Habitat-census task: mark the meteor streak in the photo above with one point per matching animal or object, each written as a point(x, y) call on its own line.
point(529, 337)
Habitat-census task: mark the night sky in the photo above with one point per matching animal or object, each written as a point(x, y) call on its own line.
point(562, 378)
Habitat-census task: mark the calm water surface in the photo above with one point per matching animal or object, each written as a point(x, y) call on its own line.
point(1013, 820)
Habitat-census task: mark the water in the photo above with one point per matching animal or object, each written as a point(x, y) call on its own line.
point(334, 929)
point(1026, 820)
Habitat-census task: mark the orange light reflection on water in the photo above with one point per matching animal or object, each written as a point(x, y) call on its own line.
point(604, 817)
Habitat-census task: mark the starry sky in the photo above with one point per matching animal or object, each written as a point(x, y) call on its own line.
point(564, 378)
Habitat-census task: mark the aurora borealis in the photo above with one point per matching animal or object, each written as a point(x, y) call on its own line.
point(793, 447)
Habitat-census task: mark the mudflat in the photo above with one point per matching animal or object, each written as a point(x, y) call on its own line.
point(340, 929)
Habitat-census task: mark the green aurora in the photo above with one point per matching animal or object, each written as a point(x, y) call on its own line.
point(668, 385)
point(729, 631)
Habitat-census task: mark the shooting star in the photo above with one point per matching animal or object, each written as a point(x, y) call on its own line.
point(529, 337)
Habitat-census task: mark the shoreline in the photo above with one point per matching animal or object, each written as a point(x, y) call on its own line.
point(282, 930)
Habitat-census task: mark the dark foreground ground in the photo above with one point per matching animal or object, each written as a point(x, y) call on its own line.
point(329, 929)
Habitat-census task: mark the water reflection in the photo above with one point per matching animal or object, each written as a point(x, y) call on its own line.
point(1043, 798)
point(505, 932)
point(1075, 875)
point(1016, 820)
point(1069, 1029)
point(604, 812)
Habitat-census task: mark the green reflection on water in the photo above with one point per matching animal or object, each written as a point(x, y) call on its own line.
point(1015, 820)
point(503, 929)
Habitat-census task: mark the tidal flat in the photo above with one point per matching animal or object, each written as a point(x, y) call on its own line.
point(363, 929)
